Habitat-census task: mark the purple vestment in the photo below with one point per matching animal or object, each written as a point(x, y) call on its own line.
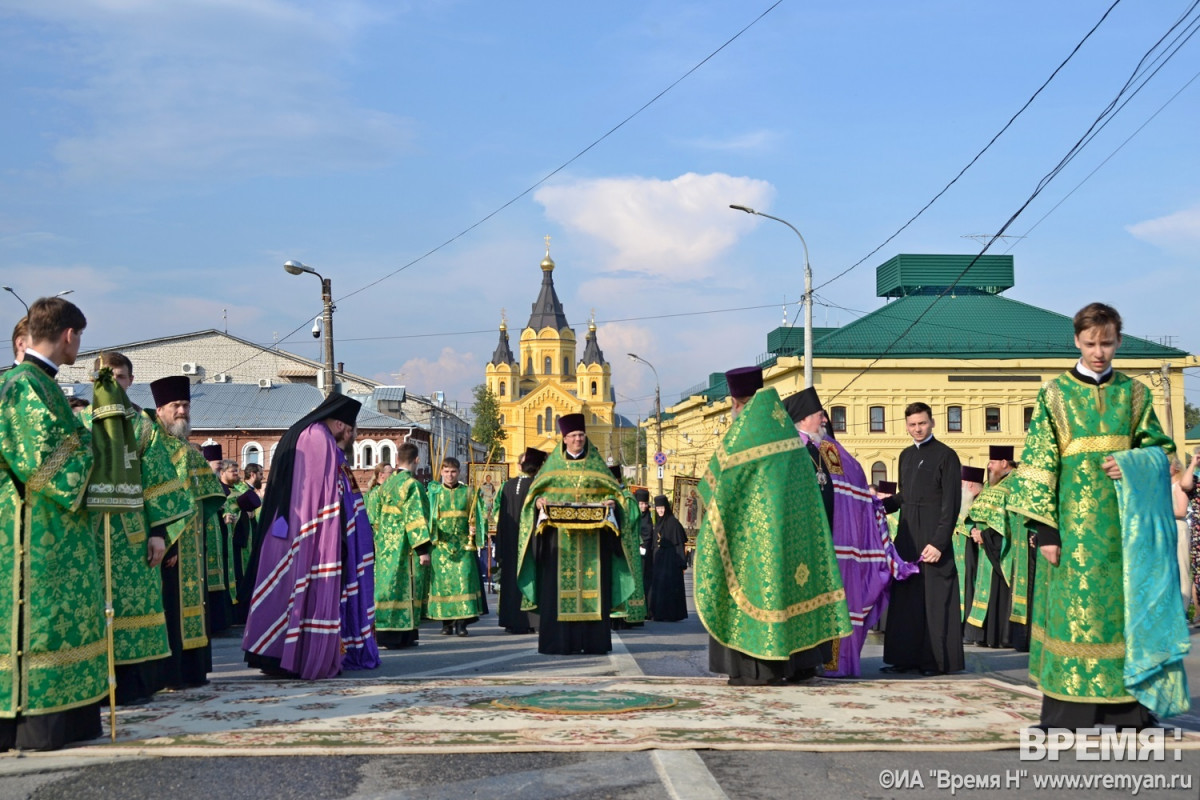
point(866, 556)
point(358, 594)
point(295, 612)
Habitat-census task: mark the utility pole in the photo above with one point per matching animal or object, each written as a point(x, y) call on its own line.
point(1166, 381)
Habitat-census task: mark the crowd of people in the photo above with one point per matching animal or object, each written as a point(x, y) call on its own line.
point(1071, 553)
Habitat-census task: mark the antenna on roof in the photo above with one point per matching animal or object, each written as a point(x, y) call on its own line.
point(987, 237)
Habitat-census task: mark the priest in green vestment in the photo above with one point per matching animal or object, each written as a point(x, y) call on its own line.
point(457, 528)
point(402, 547)
point(573, 567)
point(52, 640)
point(185, 565)
point(1083, 638)
point(966, 550)
point(767, 584)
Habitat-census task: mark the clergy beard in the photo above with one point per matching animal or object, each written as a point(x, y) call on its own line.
point(180, 428)
point(967, 498)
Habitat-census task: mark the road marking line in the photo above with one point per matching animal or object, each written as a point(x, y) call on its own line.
point(685, 776)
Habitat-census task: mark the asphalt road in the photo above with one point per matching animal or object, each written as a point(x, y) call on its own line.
point(671, 649)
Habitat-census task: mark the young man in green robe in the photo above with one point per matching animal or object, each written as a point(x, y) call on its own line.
point(52, 640)
point(137, 545)
point(768, 588)
point(185, 566)
point(457, 526)
point(1089, 641)
point(401, 550)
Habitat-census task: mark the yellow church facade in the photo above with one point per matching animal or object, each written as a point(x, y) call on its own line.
point(978, 359)
point(544, 381)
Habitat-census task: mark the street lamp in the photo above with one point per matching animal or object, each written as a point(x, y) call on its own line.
point(296, 268)
point(13, 292)
point(657, 413)
point(808, 304)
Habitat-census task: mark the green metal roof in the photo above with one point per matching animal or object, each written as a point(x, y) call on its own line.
point(908, 273)
point(970, 324)
point(1192, 434)
point(786, 340)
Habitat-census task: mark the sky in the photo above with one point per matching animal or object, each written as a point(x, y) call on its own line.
point(162, 161)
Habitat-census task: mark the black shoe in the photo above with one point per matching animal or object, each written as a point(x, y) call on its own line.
point(460, 628)
point(447, 629)
point(929, 673)
point(892, 670)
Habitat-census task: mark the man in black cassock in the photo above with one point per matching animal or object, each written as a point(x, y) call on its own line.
point(508, 532)
point(924, 629)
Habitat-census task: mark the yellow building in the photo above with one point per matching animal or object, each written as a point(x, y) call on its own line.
point(546, 382)
point(977, 358)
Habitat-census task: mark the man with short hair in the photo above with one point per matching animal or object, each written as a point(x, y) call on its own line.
point(253, 475)
point(508, 533)
point(867, 559)
point(20, 339)
point(1101, 654)
point(457, 528)
point(137, 545)
point(401, 550)
point(294, 627)
point(52, 639)
point(571, 560)
point(924, 626)
point(767, 586)
point(185, 567)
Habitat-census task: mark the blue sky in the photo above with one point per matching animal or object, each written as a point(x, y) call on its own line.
point(162, 160)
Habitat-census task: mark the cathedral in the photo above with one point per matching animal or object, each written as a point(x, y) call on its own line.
point(546, 382)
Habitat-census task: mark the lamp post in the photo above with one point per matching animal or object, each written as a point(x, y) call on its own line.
point(657, 413)
point(808, 305)
point(296, 268)
point(13, 292)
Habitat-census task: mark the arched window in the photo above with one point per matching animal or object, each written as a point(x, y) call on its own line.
point(387, 454)
point(566, 366)
point(502, 388)
point(878, 472)
point(252, 453)
point(549, 362)
point(367, 456)
point(529, 365)
point(877, 423)
point(539, 416)
point(549, 424)
point(501, 419)
point(593, 388)
point(837, 419)
point(271, 459)
point(556, 419)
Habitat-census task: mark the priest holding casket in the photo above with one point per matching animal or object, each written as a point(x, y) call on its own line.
point(572, 566)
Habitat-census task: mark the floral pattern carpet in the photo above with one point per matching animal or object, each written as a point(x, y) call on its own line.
point(263, 717)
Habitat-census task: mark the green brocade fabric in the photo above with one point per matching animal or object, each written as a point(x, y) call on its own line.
point(1077, 642)
point(991, 510)
point(400, 525)
point(454, 585)
point(188, 535)
point(585, 481)
point(53, 653)
point(634, 608)
point(962, 535)
point(767, 580)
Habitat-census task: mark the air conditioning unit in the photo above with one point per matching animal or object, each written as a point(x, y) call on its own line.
point(222, 377)
point(264, 383)
point(190, 368)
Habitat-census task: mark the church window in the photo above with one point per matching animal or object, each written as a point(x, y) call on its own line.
point(566, 366)
point(837, 419)
point(954, 419)
point(878, 472)
point(593, 388)
point(991, 418)
point(593, 419)
point(556, 419)
point(539, 423)
point(877, 423)
point(1027, 414)
point(501, 419)
point(549, 424)
point(549, 365)
point(502, 388)
point(529, 365)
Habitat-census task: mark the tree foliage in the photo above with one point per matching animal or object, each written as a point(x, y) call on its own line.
point(1191, 416)
point(487, 430)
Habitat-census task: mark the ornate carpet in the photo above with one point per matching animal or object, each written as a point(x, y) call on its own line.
point(260, 717)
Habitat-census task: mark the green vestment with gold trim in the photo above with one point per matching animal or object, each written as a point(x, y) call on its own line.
point(1077, 641)
point(455, 591)
point(400, 525)
point(633, 610)
point(991, 510)
point(53, 653)
point(767, 579)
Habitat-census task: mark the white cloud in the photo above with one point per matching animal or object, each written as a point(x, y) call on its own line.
point(674, 229)
point(215, 88)
point(1178, 231)
point(452, 372)
point(751, 141)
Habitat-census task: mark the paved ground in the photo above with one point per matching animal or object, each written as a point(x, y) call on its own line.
point(675, 649)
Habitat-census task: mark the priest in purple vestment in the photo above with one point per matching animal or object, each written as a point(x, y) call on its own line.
point(309, 615)
point(866, 556)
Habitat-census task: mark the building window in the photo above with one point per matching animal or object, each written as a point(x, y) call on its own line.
point(367, 456)
point(954, 419)
point(556, 419)
point(252, 453)
point(549, 425)
point(566, 366)
point(1027, 416)
point(837, 419)
point(502, 388)
point(501, 419)
point(386, 453)
point(271, 459)
point(877, 424)
point(991, 418)
point(593, 388)
point(539, 423)
point(878, 472)
point(593, 419)
point(529, 365)
point(549, 365)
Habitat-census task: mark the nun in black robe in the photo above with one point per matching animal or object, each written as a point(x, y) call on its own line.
point(508, 534)
point(668, 599)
